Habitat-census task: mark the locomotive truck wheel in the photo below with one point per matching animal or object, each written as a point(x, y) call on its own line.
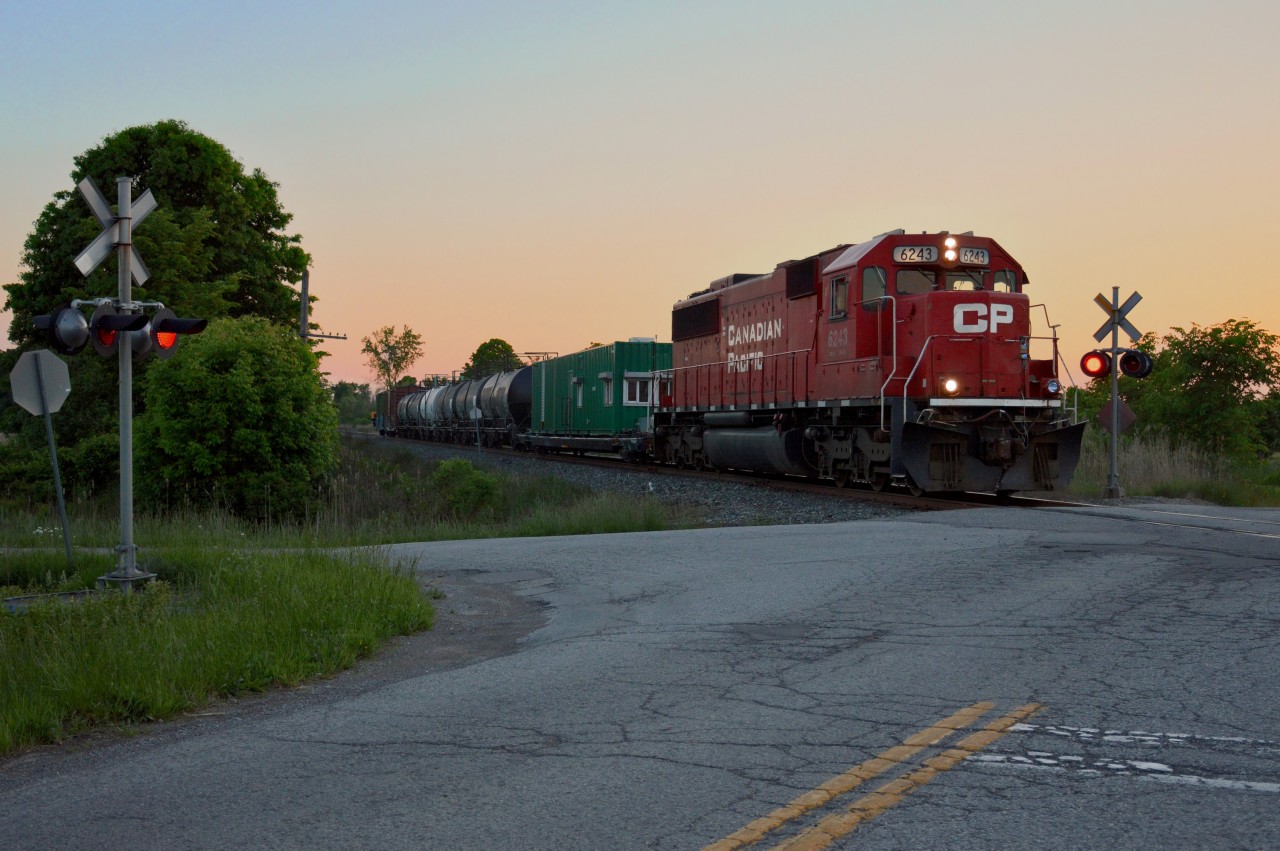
point(841, 478)
point(914, 488)
point(879, 481)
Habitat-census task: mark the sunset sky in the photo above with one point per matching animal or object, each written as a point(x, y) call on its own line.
point(558, 173)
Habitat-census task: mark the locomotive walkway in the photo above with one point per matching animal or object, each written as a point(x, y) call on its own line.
point(990, 678)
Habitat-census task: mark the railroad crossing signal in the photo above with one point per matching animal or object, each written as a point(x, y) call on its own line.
point(1130, 361)
point(117, 233)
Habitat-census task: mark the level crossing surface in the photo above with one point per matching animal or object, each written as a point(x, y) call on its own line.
point(990, 678)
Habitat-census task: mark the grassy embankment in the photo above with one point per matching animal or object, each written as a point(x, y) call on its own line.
point(242, 607)
point(1153, 468)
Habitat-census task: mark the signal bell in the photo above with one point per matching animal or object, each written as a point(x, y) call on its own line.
point(162, 333)
point(106, 324)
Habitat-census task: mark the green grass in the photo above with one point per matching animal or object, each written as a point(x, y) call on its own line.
point(1148, 467)
point(243, 607)
point(382, 494)
point(220, 624)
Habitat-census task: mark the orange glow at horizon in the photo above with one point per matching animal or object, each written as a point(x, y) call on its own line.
point(559, 176)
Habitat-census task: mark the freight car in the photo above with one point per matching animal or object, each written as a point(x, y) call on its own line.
point(599, 400)
point(907, 358)
point(492, 411)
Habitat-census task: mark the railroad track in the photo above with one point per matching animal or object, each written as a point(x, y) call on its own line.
point(900, 499)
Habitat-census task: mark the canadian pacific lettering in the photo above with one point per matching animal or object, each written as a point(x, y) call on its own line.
point(745, 335)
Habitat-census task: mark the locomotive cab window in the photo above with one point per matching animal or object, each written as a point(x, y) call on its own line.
point(875, 285)
point(1005, 281)
point(964, 280)
point(914, 281)
point(839, 298)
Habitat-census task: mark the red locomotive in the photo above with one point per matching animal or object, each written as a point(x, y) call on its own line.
point(906, 358)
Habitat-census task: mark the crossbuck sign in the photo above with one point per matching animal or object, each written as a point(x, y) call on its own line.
point(1118, 314)
point(111, 237)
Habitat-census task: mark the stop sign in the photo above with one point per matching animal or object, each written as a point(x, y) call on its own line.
point(35, 368)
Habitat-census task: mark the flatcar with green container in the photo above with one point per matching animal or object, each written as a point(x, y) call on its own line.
point(600, 399)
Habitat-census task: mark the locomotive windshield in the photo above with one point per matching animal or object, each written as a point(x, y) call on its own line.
point(915, 281)
point(964, 280)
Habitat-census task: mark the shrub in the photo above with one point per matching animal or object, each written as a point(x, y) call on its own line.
point(465, 490)
point(240, 417)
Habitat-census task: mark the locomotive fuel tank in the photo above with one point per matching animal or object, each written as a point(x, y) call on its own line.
point(763, 449)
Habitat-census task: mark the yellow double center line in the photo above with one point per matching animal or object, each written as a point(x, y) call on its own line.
point(882, 798)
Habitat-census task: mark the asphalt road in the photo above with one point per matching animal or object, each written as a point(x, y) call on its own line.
point(1099, 678)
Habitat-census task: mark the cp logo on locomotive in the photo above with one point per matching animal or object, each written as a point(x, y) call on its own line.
point(1000, 314)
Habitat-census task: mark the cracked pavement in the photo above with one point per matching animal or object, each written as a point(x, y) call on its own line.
point(662, 690)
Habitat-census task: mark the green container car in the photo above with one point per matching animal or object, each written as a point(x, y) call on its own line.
point(600, 399)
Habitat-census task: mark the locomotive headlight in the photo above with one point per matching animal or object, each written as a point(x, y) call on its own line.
point(950, 242)
point(1053, 387)
point(951, 255)
point(950, 386)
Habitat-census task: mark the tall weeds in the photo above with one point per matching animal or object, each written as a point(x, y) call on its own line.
point(1150, 466)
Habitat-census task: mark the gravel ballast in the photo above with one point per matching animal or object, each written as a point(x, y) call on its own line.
point(720, 503)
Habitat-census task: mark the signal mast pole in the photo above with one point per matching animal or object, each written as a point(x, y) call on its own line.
point(127, 567)
point(1113, 489)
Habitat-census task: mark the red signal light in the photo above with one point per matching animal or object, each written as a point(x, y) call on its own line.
point(1096, 364)
point(164, 333)
point(106, 324)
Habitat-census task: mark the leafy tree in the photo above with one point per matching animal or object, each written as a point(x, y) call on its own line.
point(240, 418)
point(215, 245)
point(496, 355)
point(353, 401)
point(1206, 389)
point(1268, 411)
point(389, 354)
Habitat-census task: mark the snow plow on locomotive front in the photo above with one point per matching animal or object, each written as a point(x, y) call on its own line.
point(908, 358)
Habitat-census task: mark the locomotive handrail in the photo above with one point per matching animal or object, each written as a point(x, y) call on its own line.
point(906, 385)
point(893, 323)
point(724, 362)
point(920, 359)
